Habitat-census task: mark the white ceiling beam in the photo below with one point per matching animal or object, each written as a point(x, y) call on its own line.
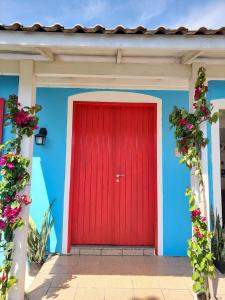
point(9, 67)
point(119, 55)
point(85, 58)
point(211, 60)
point(151, 60)
point(215, 72)
point(112, 70)
point(119, 58)
point(47, 53)
point(110, 41)
point(20, 56)
point(190, 57)
point(112, 83)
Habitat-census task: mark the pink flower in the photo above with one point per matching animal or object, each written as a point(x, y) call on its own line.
point(183, 150)
point(195, 105)
point(11, 213)
point(182, 122)
point(10, 166)
point(7, 199)
point(195, 213)
point(189, 126)
point(4, 278)
point(22, 118)
point(2, 225)
point(35, 127)
point(203, 219)
point(196, 229)
point(199, 235)
point(197, 93)
point(2, 162)
point(206, 88)
point(25, 200)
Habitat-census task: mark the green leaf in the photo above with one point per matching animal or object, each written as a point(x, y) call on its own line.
point(195, 275)
point(197, 287)
point(11, 281)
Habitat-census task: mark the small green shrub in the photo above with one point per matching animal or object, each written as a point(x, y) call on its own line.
point(218, 240)
point(37, 241)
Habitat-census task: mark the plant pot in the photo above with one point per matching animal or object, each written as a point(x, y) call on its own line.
point(220, 265)
point(201, 296)
point(34, 268)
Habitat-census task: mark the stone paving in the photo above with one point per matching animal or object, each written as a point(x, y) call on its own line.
point(116, 278)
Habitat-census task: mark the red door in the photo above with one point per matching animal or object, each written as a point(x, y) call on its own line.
point(113, 174)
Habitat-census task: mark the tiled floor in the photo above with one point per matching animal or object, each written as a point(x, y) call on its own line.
point(116, 278)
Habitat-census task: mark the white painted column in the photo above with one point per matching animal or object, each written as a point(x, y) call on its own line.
point(192, 80)
point(26, 97)
point(194, 184)
point(204, 159)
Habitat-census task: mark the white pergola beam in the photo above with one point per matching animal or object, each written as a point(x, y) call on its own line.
point(190, 57)
point(85, 58)
point(131, 83)
point(20, 56)
point(112, 70)
point(118, 59)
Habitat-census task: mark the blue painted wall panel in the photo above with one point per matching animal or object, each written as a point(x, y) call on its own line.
point(8, 86)
point(49, 165)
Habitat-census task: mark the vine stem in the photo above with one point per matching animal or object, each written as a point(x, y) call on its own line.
point(203, 207)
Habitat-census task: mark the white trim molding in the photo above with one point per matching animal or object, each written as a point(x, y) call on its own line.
point(114, 96)
point(216, 177)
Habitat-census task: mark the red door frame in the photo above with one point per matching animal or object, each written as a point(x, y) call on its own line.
point(155, 214)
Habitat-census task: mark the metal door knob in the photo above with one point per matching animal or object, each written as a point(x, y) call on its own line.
point(119, 175)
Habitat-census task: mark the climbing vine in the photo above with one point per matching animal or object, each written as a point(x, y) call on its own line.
point(14, 178)
point(190, 141)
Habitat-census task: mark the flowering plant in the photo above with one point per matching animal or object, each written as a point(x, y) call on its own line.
point(15, 177)
point(190, 141)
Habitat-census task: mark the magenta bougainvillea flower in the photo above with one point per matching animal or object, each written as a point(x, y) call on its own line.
point(183, 150)
point(3, 278)
point(22, 118)
point(189, 126)
point(2, 225)
point(182, 121)
point(2, 162)
point(10, 166)
point(11, 213)
point(203, 219)
point(199, 235)
point(195, 213)
point(23, 122)
point(23, 199)
point(198, 92)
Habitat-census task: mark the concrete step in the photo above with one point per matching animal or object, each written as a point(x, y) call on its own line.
point(112, 250)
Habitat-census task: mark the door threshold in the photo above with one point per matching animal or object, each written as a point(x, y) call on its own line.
point(102, 250)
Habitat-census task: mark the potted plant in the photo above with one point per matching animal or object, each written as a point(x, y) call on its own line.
point(37, 242)
point(218, 245)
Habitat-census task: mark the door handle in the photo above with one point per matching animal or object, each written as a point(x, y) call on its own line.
point(120, 175)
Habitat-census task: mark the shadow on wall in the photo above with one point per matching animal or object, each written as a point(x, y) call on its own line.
point(41, 200)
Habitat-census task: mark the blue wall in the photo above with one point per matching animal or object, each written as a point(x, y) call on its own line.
point(49, 166)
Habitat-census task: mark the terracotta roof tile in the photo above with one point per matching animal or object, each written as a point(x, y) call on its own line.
point(117, 30)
